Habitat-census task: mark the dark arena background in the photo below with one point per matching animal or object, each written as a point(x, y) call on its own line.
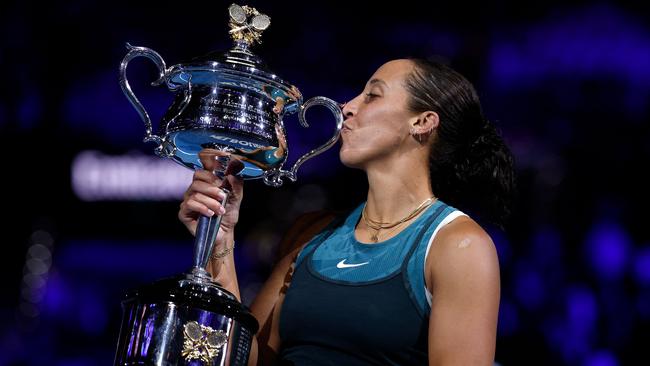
point(90, 212)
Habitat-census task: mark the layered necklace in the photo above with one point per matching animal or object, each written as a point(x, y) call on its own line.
point(378, 225)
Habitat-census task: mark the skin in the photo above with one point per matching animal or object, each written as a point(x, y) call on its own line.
point(391, 144)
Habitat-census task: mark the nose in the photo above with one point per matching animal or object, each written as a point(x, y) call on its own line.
point(347, 109)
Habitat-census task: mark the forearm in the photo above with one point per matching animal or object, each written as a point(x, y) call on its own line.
point(223, 269)
point(223, 272)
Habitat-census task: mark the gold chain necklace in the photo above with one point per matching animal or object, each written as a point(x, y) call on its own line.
point(378, 225)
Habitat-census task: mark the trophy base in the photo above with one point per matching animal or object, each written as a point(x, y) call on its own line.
point(184, 321)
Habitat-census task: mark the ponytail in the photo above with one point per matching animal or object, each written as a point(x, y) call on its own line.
point(471, 166)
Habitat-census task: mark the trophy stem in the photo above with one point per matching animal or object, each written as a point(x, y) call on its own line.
point(206, 235)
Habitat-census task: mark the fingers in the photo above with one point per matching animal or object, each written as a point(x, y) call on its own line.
point(235, 166)
point(191, 208)
point(206, 205)
point(206, 176)
point(209, 189)
point(206, 193)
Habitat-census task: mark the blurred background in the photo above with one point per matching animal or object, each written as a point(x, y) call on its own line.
point(92, 212)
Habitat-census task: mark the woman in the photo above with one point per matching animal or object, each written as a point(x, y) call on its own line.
point(405, 278)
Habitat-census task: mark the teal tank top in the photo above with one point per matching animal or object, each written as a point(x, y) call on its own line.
point(351, 303)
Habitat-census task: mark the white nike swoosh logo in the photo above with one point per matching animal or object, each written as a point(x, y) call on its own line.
point(342, 264)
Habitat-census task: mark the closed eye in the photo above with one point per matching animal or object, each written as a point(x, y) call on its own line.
point(371, 96)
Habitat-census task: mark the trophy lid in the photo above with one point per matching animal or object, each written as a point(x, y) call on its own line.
point(237, 67)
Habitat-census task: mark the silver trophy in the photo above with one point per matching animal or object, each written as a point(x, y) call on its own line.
point(231, 106)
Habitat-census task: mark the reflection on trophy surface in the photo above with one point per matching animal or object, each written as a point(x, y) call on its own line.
point(226, 117)
point(265, 157)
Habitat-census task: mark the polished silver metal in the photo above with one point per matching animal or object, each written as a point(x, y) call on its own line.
point(126, 88)
point(237, 14)
point(231, 105)
point(206, 235)
point(227, 103)
point(178, 321)
point(261, 22)
point(274, 177)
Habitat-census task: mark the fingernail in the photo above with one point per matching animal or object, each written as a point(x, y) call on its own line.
point(222, 210)
point(210, 213)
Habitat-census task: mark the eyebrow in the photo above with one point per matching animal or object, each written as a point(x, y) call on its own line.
point(377, 81)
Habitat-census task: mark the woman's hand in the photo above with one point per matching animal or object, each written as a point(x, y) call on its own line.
point(206, 192)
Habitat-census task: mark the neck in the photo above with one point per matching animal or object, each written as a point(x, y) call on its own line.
point(395, 189)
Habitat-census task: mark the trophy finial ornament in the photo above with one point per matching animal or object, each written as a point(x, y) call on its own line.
point(247, 24)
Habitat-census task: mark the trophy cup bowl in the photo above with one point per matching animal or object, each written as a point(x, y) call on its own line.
point(234, 106)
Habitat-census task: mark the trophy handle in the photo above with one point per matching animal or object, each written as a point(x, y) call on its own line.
point(274, 177)
point(126, 88)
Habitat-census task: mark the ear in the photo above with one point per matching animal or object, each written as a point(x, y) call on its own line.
point(425, 122)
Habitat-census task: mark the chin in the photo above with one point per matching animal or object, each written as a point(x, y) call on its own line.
point(349, 159)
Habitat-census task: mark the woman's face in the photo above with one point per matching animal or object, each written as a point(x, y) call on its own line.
point(376, 123)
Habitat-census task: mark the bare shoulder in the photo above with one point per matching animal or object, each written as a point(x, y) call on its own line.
point(463, 278)
point(462, 248)
point(463, 233)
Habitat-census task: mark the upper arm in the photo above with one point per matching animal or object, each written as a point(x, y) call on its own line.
point(268, 302)
point(463, 275)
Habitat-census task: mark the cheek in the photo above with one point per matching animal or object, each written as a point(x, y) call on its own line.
point(367, 144)
point(377, 132)
point(386, 130)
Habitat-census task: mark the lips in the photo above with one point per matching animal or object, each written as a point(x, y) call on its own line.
point(345, 126)
point(345, 131)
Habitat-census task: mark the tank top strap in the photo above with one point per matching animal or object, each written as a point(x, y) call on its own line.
point(423, 230)
point(410, 283)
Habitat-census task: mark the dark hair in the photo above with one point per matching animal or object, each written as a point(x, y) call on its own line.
point(471, 166)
